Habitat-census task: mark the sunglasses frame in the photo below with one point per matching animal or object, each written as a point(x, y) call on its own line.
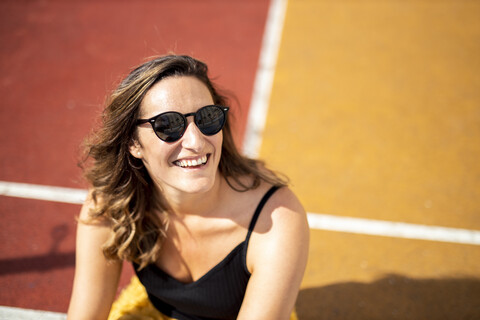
point(153, 119)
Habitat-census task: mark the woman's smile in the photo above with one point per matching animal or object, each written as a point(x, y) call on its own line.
point(192, 163)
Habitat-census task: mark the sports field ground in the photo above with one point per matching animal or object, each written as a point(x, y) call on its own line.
point(372, 108)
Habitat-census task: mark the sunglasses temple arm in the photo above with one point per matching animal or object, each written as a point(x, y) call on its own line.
point(142, 121)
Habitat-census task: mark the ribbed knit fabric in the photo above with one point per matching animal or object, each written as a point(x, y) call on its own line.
point(133, 304)
point(216, 295)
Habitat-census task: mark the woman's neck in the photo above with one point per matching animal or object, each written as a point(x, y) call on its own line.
point(204, 204)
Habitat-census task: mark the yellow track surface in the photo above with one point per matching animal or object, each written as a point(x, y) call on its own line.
point(375, 113)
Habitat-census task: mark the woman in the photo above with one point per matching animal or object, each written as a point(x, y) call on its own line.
point(171, 194)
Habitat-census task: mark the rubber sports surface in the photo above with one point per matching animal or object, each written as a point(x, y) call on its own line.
point(373, 113)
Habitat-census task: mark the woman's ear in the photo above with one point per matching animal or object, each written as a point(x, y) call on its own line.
point(135, 149)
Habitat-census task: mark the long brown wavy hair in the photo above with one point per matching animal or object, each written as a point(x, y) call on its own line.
point(121, 188)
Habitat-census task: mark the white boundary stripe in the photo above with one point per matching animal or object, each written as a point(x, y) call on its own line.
point(32, 191)
point(253, 137)
point(316, 220)
point(264, 78)
point(10, 313)
point(393, 229)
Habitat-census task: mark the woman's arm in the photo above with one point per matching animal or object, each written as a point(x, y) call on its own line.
point(96, 278)
point(277, 257)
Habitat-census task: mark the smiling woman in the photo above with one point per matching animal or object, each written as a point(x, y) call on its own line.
point(188, 144)
point(210, 232)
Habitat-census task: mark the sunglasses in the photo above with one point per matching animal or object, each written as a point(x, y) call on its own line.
point(170, 126)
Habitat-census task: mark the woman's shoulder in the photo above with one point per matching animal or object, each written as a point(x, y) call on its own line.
point(281, 229)
point(281, 195)
point(280, 209)
point(284, 207)
point(89, 213)
point(284, 197)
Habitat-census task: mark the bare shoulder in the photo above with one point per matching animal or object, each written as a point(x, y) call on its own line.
point(282, 228)
point(86, 213)
point(92, 232)
point(276, 257)
point(285, 200)
point(96, 277)
point(283, 212)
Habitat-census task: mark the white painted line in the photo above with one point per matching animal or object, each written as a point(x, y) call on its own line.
point(264, 78)
point(393, 229)
point(10, 313)
point(316, 220)
point(253, 137)
point(39, 192)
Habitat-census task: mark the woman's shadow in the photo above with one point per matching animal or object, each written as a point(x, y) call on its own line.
point(53, 259)
point(393, 297)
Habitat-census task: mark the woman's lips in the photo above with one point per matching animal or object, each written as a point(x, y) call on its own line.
point(192, 162)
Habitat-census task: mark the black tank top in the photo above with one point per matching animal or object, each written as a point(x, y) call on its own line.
point(216, 295)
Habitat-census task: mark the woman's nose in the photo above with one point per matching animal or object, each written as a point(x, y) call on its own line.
point(193, 138)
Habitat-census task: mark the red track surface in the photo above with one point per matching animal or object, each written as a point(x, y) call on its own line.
point(58, 60)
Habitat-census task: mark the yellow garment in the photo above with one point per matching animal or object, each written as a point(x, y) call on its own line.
point(133, 304)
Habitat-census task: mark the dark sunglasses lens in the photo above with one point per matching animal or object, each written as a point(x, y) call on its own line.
point(170, 126)
point(210, 120)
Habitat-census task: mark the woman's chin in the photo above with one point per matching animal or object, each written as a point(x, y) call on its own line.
point(199, 186)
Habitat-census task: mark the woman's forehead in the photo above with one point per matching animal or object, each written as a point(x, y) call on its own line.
point(176, 93)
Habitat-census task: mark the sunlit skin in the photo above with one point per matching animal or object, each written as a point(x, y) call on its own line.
point(207, 219)
point(161, 159)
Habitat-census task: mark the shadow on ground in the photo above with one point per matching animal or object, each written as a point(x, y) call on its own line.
point(393, 297)
point(53, 259)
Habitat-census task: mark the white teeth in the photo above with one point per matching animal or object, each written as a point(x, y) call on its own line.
point(191, 163)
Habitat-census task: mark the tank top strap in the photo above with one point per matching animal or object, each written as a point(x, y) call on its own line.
point(259, 208)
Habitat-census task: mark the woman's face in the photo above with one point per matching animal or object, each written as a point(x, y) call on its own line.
point(172, 164)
